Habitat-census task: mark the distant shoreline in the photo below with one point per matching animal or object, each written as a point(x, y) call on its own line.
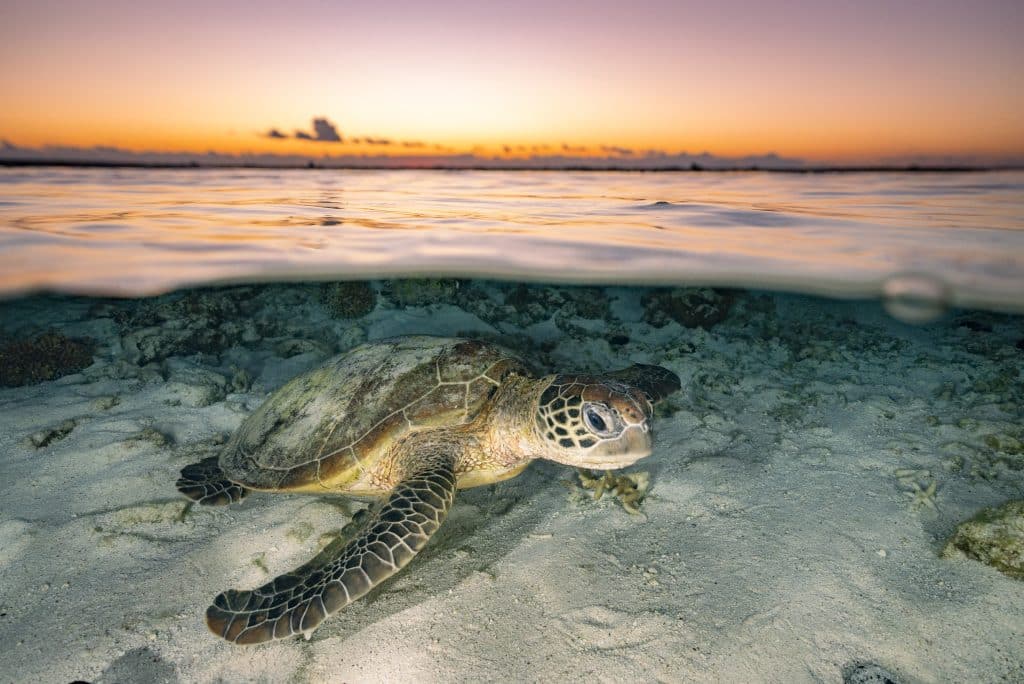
point(693, 168)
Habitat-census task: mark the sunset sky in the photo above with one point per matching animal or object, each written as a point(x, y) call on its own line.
point(830, 81)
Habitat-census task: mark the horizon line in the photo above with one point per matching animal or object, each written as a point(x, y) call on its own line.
point(911, 167)
point(641, 160)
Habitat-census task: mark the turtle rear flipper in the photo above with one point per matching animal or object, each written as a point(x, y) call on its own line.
point(205, 483)
point(298, 601)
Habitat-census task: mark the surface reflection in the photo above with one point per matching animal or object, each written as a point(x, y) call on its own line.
point(151, 230)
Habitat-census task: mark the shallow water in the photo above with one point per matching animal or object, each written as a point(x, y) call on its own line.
point(959, 236)
point(802, 491)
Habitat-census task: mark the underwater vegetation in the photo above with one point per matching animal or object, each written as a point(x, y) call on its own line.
point(628, 488)
point(537, 301)
point(421, 291)
point(995, 536)
point(690, 307)
point(48, 356)
point(350, 299)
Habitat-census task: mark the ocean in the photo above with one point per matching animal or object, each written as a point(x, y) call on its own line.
point(132, 232)
point(835, 491)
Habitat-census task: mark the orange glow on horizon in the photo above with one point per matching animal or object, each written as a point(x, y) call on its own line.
point(871, 80)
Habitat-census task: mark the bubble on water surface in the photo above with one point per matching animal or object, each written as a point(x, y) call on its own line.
point(915, 297)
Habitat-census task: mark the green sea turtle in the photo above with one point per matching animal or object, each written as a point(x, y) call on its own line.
point(407, 421)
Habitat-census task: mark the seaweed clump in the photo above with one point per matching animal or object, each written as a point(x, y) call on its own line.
point(995, 536)
point(46, 357)
point(538, 302)
point(689, 307)
point(629, 488)
point(422, 291)
point(352, 299)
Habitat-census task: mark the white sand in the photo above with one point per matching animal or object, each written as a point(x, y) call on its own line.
point(781, 540)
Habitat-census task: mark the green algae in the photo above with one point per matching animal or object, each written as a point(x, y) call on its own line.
point(48, 356)
point(421, 291)
point(352, 299)
point(689, 307)
point(994, 536)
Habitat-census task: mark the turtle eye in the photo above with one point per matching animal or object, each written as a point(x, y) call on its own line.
point(599, 420)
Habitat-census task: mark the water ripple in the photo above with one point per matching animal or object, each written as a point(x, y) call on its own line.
point(134, 232)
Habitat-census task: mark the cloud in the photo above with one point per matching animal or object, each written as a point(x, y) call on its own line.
point(323, 131)
point(369, 140)
point(7, 145)
point(621, 151)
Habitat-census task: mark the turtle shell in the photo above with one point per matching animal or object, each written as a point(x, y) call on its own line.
point(325, 427)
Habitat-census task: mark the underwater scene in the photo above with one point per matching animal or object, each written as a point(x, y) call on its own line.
point(675, 427)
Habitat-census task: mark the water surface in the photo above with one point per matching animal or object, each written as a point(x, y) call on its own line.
point(146, 231)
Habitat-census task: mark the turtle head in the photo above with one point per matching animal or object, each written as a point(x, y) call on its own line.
point(594, 422)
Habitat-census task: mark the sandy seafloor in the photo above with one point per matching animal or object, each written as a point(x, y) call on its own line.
point(790, 530)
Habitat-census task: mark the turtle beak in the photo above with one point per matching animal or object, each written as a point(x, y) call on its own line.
point(633, 444)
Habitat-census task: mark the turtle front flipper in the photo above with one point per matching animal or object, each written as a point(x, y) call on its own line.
point(655, 381)
point(298, 601)
point(205, 483)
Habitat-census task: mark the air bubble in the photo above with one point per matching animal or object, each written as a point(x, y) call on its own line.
point(915, 298)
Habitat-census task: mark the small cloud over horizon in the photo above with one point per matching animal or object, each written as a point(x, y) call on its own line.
point(323, 131)
point(369, 140)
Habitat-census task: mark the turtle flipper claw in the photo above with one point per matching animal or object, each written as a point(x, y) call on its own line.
point(204, 482)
